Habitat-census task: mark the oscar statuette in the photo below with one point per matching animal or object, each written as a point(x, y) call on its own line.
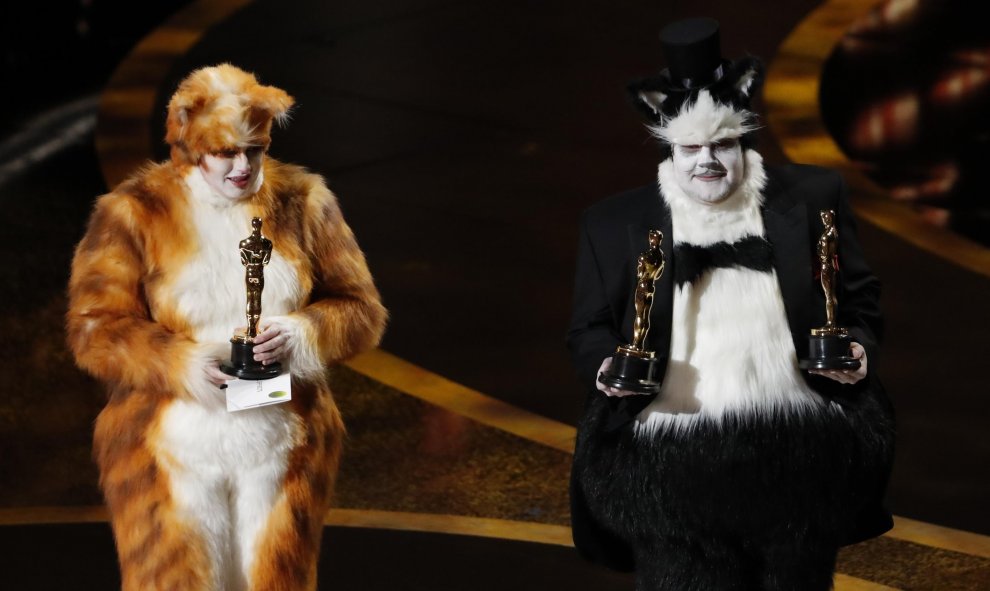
point(828, 346)
point(256, 251)
point(634, 368)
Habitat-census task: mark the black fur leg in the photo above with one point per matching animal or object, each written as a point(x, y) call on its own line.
point(801, 563)
point(701, 565)
point(763, 499)
point(797, 565)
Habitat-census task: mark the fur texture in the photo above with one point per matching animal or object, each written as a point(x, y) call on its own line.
point(222, 108)
point(738, 475)
point(718, 111)
point(201, 498)
point(731, 349)
point(748, 502)
point(704, 121)
point(727, 221)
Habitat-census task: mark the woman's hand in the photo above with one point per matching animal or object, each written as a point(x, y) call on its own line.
point(847, 376)
point(273, 342)
point(213, 373)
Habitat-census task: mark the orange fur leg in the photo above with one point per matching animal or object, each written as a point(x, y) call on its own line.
point(288, 547)
point(156, 549)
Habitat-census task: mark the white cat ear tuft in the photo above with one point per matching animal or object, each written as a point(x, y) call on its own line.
point(744, 86)
point(653, 99)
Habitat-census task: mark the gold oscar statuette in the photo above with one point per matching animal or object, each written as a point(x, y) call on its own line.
point(633, 367)
point(256, 251)
point(828, 346)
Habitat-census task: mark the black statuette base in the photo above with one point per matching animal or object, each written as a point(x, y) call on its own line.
point(829, 351)
point(632, 373)
point(242, 364)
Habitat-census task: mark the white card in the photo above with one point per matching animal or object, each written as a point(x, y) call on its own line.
point(245, 394)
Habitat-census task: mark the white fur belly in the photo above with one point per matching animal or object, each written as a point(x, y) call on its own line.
point(731, 352)
point(210, 291)
point(225, 473)
point(197, 437)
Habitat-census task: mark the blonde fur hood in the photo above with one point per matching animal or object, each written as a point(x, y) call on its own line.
point(222, 108)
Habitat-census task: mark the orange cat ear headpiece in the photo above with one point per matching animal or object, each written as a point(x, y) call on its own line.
point(222, 108)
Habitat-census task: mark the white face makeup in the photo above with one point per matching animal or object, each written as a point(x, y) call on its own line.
point(235, 174)
point(709, 173)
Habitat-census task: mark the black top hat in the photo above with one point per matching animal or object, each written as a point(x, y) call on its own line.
point(694, 65)
point(694, 53)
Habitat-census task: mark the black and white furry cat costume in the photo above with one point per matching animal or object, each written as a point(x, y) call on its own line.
point(743, 473)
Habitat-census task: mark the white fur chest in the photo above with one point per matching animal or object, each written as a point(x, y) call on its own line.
point(731, 349)
point(209, 291)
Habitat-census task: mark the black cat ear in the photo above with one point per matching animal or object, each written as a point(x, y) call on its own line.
point(652, 100)
point(748, 73)
point(654, 97)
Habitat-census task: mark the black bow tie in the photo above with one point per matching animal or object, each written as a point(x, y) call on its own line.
point(692, 261)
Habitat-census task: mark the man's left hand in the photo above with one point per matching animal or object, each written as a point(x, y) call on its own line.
point(847, 376)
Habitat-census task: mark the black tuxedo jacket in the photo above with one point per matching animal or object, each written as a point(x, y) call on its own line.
point(614, 234)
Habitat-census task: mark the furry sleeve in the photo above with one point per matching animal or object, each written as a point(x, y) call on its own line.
point(109, 327)
point(344, 316)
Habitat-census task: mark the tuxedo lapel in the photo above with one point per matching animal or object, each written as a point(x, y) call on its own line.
point(786, 223)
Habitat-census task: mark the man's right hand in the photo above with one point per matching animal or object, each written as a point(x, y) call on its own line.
point(609, 390)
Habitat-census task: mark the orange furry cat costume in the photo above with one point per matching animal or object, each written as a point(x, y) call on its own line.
point(201, 498)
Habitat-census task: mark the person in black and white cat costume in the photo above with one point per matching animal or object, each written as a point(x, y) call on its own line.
point(743, 472)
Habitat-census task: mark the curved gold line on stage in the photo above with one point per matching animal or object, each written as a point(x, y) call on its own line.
point(485, 527)
point(425, 385)
point(843, 582)
point(794, 115)
point(456, 525)
point(53, 515)
point(936, 536)
point(907, 530)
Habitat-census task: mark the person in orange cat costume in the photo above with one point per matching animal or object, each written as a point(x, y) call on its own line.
point(201, 498)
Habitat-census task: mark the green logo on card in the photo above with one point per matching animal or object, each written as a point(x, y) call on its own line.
point(278, 394)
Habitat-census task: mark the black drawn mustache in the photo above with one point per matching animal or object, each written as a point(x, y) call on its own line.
point(706, 168)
